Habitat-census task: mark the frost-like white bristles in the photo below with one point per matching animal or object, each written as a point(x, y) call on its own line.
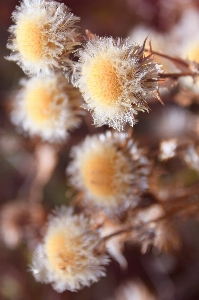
point(110, 174)
point(48, 107)
point(43, 35)
point(116, 80)
point(67, 258)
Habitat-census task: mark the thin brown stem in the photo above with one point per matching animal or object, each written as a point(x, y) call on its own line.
point(107, 237)
point(169, 213)
point(177, 75)
point(174, 59)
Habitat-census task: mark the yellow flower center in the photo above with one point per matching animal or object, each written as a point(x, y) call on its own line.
point(98, 171)
point(38, 102)
point(58, 250)
point(102, 80)
point(30, 40)
point(193, 53)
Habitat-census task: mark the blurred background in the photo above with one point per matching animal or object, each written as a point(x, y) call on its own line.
point(171, 276)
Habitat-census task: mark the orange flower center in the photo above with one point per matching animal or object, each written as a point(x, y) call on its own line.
point(38, 102)
point(60, 250)
point(98, 171)
point(30, 40)
point(102, 80)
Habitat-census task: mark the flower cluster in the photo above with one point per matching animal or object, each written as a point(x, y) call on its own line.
point(42, 38)
point(116, 78)
point(120, 192)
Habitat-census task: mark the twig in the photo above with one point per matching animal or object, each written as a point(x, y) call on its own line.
point(168, 213)
point(177, 75)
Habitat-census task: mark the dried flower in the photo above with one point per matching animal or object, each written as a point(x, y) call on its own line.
point(110, 173)
point(47, 106)
point(116, 80)
point(155, 230)
point(68, 258)
point(43, 35)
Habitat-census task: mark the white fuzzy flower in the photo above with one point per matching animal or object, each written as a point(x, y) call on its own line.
point(47, 106)
point(110, 173)
point(43, 35)
point(116, 80)
point(68, 258)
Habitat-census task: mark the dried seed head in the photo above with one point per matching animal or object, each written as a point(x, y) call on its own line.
point(47, 106)
point(116, 80)
point(110, 173)
point(43, 35)
point(155, 230)
point(68, 258)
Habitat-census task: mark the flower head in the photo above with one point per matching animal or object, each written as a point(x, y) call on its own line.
point(110, 173)
point(68, 258)
point(47, 106)
point(43, 34)
point(115, 80)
